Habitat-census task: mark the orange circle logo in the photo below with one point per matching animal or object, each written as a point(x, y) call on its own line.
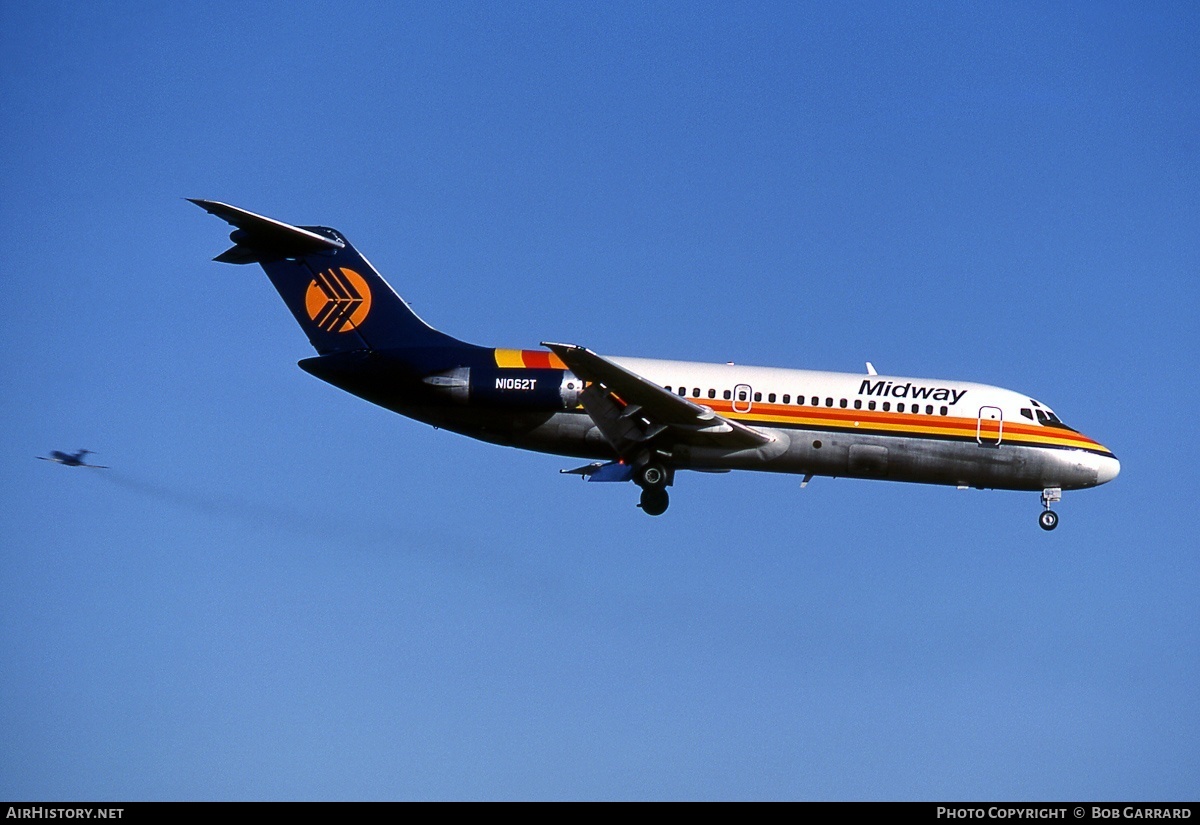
point(338, 300)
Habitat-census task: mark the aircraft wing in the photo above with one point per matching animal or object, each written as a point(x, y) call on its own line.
point(629, 410)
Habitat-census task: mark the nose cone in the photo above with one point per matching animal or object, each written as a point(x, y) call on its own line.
point(1108, 469)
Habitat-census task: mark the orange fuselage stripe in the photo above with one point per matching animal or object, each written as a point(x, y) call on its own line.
point(902, 423)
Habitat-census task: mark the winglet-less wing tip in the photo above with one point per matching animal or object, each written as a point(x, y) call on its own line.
point(550, 345)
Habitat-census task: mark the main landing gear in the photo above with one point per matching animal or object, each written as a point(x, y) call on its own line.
point(654, 502)
point(1048, 519)
point(653, 478)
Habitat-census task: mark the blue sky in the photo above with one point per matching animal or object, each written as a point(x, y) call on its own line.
point(282, 592)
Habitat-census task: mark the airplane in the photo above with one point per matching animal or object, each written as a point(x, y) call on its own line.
point(71, 459)
point(644, 420)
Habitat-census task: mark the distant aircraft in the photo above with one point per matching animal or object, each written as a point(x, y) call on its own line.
point(644, 420)
point(71, 459)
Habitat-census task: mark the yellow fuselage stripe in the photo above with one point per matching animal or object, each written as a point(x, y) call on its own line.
point(914, 424)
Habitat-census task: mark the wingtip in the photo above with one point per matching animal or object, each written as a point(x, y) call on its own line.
point(207, 205)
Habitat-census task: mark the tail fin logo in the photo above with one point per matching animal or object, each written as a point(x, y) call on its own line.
point(338, 300)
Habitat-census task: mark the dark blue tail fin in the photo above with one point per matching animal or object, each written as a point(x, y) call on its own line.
point(338, 298)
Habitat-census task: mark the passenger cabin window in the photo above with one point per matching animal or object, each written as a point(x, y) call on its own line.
point(858, 403)
point(870, 405)
point(712, 393)
point(695, 392)
point(929, 409)
point(787, 399)
point(900, 407)
point(816, 402)
point(728, 394)
point(828, 402)
point(758, 396)
point(771, 398)
point(741, 395)
point(842, 403)
point(945, 411)
point(887, 406)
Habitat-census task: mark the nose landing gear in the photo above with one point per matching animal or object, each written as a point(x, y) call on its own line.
point(1048, 519)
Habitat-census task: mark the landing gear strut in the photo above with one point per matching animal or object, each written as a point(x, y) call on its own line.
point(1048, 519)
point(653, 478)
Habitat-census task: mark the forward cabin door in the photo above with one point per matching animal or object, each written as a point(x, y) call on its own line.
point(989, 430)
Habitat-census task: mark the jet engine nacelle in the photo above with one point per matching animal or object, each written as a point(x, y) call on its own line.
point(569, 390)
point(454, 385)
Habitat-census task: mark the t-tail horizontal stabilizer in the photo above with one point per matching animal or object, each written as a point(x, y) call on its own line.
point(258, 238)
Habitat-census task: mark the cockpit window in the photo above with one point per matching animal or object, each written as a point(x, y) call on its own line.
point(1025, 411)
point(1045, 416)
point(1055, 421)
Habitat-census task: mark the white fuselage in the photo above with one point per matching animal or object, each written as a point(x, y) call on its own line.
point(858, 425)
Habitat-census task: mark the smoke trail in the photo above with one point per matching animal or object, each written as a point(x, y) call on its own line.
point(270, 517)
point(440, 545)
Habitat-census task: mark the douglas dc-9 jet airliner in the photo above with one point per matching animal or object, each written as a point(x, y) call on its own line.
point(643, 420)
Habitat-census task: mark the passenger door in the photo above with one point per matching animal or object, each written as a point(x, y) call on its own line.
point(989, 430)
